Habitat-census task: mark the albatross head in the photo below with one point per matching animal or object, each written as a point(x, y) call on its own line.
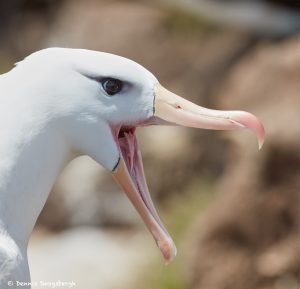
point(100, 99)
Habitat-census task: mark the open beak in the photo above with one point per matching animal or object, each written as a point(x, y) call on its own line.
point(169, 108)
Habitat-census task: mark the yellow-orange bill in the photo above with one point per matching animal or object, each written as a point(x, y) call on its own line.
point(145, 209)
point(175, 109)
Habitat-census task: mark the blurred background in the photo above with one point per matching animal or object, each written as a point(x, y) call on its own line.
point(232, 210)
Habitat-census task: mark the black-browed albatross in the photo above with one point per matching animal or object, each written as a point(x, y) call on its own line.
point(59, 103)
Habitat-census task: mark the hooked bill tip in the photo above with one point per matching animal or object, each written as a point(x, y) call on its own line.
point(251, 122)
point(260, 132)
point(261, 142)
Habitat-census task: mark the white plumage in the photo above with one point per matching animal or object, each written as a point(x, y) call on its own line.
point(56, 105)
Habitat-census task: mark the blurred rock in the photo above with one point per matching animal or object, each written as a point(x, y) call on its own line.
point(268, 18)
point(24, 24)
point(250, 237)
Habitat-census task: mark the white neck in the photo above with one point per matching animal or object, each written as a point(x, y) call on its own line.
point(32, 154)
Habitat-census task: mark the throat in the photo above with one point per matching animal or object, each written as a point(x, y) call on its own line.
point(126, 130)
point(29, 167)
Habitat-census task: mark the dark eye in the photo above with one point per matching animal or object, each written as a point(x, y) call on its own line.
point(112, 86)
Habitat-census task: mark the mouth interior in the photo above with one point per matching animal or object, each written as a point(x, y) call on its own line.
point(131, 155)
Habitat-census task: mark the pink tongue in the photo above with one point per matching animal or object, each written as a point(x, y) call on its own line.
point(133, 159)
point(133, 162)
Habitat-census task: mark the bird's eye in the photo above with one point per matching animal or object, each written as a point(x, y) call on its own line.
point(112, 86)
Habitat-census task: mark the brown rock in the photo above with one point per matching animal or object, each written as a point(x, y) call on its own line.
point(250, 237)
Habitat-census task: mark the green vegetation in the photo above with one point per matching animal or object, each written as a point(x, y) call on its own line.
point(179, 216)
